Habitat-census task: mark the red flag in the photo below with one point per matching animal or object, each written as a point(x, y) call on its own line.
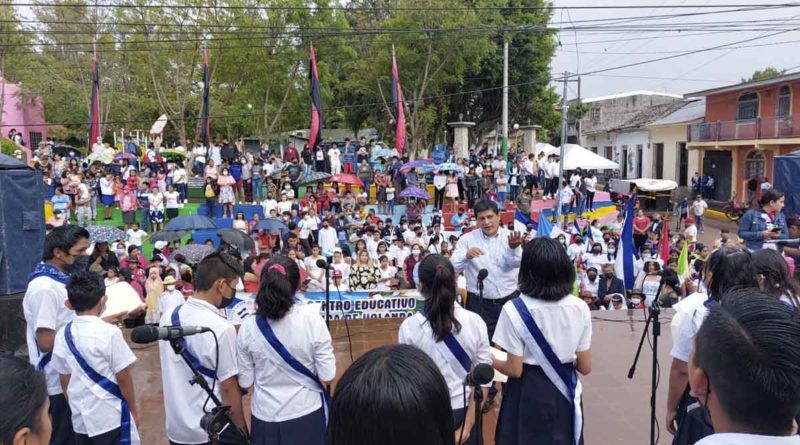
point(664, 246)
point(397, 101)
point(204, 130)
point(94, 113)
point(315, 134)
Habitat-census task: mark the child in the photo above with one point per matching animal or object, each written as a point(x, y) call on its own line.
point(170, 298)
point(94, 362)
point(390, 190)
point(691, 231)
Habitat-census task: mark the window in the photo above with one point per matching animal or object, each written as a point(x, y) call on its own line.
point(594, 150)
point(34, 137)
point(747, 108)
point(784, 107)
point(754, 165)
point(595, 114)
point(609, 152)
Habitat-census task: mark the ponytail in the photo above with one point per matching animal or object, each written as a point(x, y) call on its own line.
point(279, 281)
point(437, 279)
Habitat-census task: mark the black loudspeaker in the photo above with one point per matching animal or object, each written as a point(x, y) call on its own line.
point(22, 227)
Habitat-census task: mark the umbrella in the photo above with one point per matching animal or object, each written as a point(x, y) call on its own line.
point(194, 253)
point(190, 222)
point(415, 192)
point(167, 236)
point(314, 178)
point(270, 224)
point(237, 238)
point(447, 166)
point(160, 123)
point(127, 156)
point(104, 157)
point(345, 178)
point(105, 234)
point(417, 163)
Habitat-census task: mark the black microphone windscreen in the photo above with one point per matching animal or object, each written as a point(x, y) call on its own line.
point(483, 373)
point(144, 334)
point(482, 274)
point(322, 263)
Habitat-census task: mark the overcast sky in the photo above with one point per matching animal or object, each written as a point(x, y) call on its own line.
point(679, 75)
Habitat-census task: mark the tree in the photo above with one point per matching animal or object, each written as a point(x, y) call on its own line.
point(765, 74)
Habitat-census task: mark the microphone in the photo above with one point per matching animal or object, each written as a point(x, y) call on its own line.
point(149, 334)
point(482, 374)
point(482, 274)
point(322, 263)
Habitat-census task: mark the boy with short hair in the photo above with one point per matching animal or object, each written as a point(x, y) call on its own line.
point(94, 363)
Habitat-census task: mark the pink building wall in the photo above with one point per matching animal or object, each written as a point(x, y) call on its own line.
point(29, 121)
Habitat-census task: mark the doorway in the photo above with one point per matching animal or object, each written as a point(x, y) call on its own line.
point(658, 170)
point(683, 164)
point(718, 164)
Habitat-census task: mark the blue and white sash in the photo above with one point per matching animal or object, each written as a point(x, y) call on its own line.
point(176, 321)
point(52, 272)
point(563, 377)
point(278, 353)
point(449, 348)
point(111, 387)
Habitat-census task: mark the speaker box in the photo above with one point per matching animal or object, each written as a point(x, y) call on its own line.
point(22, 227)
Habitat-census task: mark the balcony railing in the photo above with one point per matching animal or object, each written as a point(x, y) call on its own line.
point(759, 128)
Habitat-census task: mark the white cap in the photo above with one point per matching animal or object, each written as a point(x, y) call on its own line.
point(160, 244)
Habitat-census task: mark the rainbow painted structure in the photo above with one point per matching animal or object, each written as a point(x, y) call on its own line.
point(604, 210)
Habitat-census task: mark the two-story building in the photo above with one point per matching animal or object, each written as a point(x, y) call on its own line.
point(745, 126)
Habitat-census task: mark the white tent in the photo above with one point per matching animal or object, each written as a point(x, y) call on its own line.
point(576, 156)
point(544, 147)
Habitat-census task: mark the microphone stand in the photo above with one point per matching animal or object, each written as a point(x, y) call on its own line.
point(328, 296)
point(652, 319)
point(478, 396)
point(214, 422)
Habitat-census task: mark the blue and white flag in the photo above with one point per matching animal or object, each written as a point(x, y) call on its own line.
point(521, 222)
point(626, 250)
point(545, 226)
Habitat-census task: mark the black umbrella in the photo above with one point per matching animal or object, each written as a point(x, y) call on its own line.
point(314, 177)
point(168, 236)
point(270, 224)
point(237, 238)
point(190, 222)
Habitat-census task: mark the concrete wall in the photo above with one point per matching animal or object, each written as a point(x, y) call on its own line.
point(25, 120)
point(722, 107)
point(670, 136)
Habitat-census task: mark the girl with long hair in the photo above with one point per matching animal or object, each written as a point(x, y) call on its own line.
point(285, 353)
point(774, 277)
point(364, 275)
point(434, 329)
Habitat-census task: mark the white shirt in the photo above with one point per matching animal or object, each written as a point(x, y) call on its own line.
point(199, 153)
point(748, 439)
point(276, 396)
point(699, 207)
point(169, 300)
point(344, 268)
point(399, 254)
point(334, 154)
point(590, 184)
point(565, 195)
point(328, 239)
point(106, 187)
point(566, 325)
point(390, 272)
point(305, 228)
point(216, 155)
point(135, 237)
point(473, 337)
point(693, 312)
point(575, 250)
point(268, 204)
point(172, 199)
point(43, 306)
point(575, 181)
point(690, 233)
point(501, 262)
point(316, 273)
point(439, 181)
point(184, 402)
point(284, 206)
point(94, 410)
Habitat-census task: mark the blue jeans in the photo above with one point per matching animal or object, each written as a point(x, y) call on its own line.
point(145, 215)
point(581, 205)
point(210, 204)
point(258, 189)
point(181, 189)
point(199, 168)
point(501, 196)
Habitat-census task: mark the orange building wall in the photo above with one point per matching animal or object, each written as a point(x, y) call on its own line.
point(722, 107)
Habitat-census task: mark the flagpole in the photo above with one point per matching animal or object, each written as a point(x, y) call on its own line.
point(505, 103)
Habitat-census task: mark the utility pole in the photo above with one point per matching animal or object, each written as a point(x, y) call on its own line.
point(505, 103)
point(564, 123)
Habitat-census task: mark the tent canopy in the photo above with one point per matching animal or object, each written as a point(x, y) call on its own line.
point(544, 147)
point(576, 156)
point(11, 163)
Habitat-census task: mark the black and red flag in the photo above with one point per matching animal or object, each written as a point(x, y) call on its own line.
point(204, 130)
point(397, 102)
point(315, 134)
point(94, 112)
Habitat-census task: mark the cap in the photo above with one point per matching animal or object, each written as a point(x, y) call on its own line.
point(169, 280)
point(160, 244)
point(337, 274)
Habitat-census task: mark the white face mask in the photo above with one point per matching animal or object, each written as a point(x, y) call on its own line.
point(171, 287)
point(415, 252)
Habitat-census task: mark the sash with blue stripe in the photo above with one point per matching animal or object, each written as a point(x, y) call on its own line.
point(52, 272)
point(564, 377)
point(210, 373)
point(452, 351)
point(297, 371)
point(111, 387)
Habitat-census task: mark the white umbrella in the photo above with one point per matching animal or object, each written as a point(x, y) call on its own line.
point(576, 156)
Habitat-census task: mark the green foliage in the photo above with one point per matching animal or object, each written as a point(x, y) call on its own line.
point(172, 155)
point(150, 63)
point(578, 110)
point(7, 147)
point(765, 74)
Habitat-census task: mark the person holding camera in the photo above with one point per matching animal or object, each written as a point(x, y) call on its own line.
point(764, 223)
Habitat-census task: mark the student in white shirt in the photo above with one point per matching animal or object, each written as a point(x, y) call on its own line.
point(745, 370)
point(444, 319)
point(269, 204)
point(334, 156)
point(328, 238)
point(136, 235)
point(94, 363)
point(288, 406)
point(564, 325)
point(173, 202)
point(725, 269)
point(45, 313)
point(388, 273)
point(214, 288)
point(315, 273)
point(170, 298)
